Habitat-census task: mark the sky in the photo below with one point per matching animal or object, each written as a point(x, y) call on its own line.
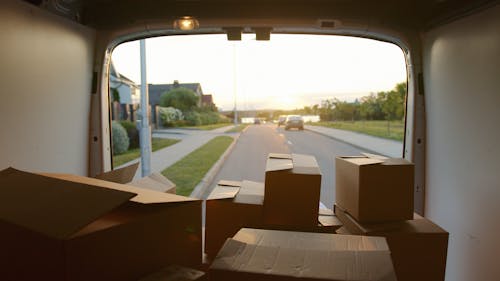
point(289, 71)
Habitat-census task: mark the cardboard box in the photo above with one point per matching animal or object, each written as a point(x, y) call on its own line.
point(292, 190)
point(230, 207)
point(256, 254)
point(375, 189)
point(157, 182)
point(418, 247)
point(233, 205)
point(176, 273)
point(123, 175)
point(66, 227)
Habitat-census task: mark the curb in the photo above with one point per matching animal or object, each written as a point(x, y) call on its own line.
point(346, 142)
point(207, 180)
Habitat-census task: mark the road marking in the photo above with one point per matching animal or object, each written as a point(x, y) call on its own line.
point(290, 143)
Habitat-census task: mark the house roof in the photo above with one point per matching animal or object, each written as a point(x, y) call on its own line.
point(120, 78)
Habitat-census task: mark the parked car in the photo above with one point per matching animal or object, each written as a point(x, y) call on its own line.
point(256, 121)
point(294, 121)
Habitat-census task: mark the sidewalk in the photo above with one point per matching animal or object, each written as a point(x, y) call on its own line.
point(386, 147)
point(190, 140)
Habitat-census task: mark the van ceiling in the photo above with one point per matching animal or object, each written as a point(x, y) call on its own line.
point(415, 14)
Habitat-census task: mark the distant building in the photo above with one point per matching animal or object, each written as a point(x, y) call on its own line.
point(125, 95)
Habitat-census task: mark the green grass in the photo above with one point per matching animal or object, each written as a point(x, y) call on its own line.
point(156, 144)
point(208, 127)
point(191, 169)
point(374, 128)
point(237, 129)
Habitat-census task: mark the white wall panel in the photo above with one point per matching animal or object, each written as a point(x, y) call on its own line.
point(45, 80)
point(462, 86)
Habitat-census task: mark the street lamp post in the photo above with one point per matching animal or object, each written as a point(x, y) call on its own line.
point(234, 84)
point(144, 128)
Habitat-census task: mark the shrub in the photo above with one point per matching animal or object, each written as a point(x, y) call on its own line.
point(120, 138)
point(181, 98)
point(169, 116)
point(193, 118)
point(132, 133)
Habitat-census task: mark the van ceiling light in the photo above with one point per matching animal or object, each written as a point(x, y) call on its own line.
point(186, 23)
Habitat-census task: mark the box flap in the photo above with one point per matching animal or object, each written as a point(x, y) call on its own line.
point(223, 192)
point(329, 221)
point(397, 161)
point(54, 207)
point(361, 160)
point(325, 212)
point(374, 156)
point(143, 196)
point(280, 156)
point(155, 181)
point(229, 183)
point(305, 164)
point(122, 175)
point(278, 164)
point(250, 193)
point(306, 255)
point(310, 241)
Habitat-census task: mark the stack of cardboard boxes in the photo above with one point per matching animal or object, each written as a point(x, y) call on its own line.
point(374, 197)
point(289, 200)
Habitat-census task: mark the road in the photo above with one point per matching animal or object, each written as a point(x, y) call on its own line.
point(247, 161)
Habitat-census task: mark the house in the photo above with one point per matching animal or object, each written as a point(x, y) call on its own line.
point(125, 95)
point(156, 90)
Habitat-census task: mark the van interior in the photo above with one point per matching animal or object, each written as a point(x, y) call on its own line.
point(56, 60)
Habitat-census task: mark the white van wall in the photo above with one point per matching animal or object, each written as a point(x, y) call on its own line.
point(45, 85)
point(462, 88)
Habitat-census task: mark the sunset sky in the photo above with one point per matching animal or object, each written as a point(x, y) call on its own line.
point(287, 72)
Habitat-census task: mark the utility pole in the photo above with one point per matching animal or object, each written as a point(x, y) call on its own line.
point(234, 84)
point(144, 128)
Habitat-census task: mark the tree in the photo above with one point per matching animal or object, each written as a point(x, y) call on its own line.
point(393, 105)
point(181, 98)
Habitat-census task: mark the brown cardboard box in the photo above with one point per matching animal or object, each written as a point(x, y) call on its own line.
point(155, 181)
point(375, 189)
point(176, 273)
point(122, 175)
point(256, 254)
point(292, 190)
point(231, 206)
point(418, 247)
point(66, 227)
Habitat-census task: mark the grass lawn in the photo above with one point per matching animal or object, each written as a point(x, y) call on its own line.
point(208, 127)
point(156, 144)
point(237, 129)
point(376, 128)
point(191, 169)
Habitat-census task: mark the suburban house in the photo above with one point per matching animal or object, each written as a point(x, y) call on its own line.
point(156, 90)
point(125, 94)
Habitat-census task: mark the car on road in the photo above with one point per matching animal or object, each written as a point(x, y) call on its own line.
point(256, 121)
point(294, 121)
point(281, 120)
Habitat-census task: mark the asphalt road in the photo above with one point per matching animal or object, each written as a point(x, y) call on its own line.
point(247, 161)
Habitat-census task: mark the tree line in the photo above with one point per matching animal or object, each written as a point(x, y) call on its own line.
point(388, 105)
